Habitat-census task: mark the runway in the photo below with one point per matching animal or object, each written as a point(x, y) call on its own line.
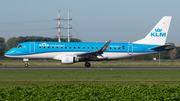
point(90, 68)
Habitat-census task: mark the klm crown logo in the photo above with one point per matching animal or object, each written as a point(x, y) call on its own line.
point(67, 60)
point(158, 30)
point(158, 33)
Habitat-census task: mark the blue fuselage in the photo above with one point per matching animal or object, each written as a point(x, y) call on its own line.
point(51, 49)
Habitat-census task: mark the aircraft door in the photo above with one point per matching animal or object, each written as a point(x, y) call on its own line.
point(130, 48)
point(32, 47)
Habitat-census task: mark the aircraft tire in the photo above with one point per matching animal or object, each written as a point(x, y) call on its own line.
point(87, 64)
point(26, 65)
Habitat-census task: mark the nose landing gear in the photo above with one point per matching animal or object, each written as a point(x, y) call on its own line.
point(26, 62)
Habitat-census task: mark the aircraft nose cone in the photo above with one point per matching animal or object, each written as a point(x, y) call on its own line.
point(5, 54)
point(8, 53)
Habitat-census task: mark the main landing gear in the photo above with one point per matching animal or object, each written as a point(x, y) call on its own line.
point(87, 64)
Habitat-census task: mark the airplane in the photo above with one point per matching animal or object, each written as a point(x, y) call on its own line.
point(71, 52)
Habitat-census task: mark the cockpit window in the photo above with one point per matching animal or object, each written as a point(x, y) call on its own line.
point(19, 46)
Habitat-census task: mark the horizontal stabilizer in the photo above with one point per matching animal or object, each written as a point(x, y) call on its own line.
point(166, 46)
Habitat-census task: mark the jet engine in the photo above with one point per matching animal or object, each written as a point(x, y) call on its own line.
point(68, 59)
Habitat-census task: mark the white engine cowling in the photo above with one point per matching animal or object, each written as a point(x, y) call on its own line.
point(68, 59)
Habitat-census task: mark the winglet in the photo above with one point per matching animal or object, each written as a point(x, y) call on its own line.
point(95, 53)
point(105, 47)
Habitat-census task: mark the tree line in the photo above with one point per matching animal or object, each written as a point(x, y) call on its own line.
point(14, 41)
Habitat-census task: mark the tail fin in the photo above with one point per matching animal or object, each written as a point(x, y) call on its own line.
point(158, 34)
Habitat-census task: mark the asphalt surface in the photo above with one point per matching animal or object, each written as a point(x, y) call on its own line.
point(89, 68)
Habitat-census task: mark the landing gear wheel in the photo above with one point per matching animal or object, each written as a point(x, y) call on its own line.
point(87, 64)
point(26, 65)
point(26, 62)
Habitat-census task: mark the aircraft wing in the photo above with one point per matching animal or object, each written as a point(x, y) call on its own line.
point(93, 54)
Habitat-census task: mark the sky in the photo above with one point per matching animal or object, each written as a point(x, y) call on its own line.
point(92, 20)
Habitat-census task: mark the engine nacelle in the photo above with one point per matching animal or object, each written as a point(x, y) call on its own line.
point(68, 59)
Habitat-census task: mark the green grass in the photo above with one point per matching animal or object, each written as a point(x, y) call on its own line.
point(119, 63)
point(9, 78)
point(90, 84)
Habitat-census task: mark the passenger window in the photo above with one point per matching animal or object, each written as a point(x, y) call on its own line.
point(78, 47)
point(66, 47)
point(39, 46)
point(96, 47)
point(119, 48)
point(48, 47)
point(92, 47)
point(114, 47)
point(74, 47)
point(70, 47)
point(44, 46)
point(53, 47)
point(123, 47)
point(57, 47)
point(88, 47)
point(61, 47)
point(110, 48)
point(83, 47)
